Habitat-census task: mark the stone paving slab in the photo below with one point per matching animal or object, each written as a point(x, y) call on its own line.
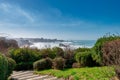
point(29, 75)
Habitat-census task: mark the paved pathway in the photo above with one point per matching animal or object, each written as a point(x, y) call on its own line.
point(29, 75)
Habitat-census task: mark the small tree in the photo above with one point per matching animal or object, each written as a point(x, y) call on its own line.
point(97, 55)
point(111, 55)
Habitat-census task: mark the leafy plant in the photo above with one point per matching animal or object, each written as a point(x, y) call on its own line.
point(43, 64)
point(69, 58)
point(97, 54)
point(59, 63)
point(24, 58)
point(58, 51)
point(47, 53)
point(11, 65)
point(82, 50)
point(85, 59)
point(3, 67)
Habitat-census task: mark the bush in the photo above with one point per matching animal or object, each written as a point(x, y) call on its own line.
point(58, 51)
point(11, 65)
point(3, 67)
point(59, 63)
point(97, 56)
point(47, 53)
point(111, 53)
point(24, 58)
point(69, 58)
point(82, 50)
point(43, 64)
point(76, 65)
point(85, 59)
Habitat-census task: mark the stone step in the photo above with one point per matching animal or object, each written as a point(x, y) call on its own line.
point(39, 78)
point(29, 75)
point(22, 73)
point(19, 76)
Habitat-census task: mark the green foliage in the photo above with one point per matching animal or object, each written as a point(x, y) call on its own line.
point(3, 67)
point(11, 65)
point(69, 58)
point(85, 59)
point(43, 64)
point(94, 73)
point(82, 50)
point(24, 58)
point(97, 54)
point(58, 51)
point(59, 63)
point(47, 53)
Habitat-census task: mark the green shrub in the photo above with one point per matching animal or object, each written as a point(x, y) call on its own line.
point(47, 53)
point(82, 50)
point(97, 56)
point(24, 58)
point(85, 59)
point(69, 58)
point(11, 65)
point(59, 63)
point(43, 64)
point(3, 67)
point(58, 51)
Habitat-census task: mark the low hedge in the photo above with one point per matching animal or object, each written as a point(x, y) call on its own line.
point(47, 53)
point(85, 59)
point(59, 63)
point(24, 58)
point(3, 67)
point(42, 64)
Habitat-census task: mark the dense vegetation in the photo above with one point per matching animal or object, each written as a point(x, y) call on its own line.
point(43, 64)
point(95, 73)
point(3, 67)
point(111, 53)
point(24, 58)
point(6, 67)
point(97, 54)
point(85, 59)
point(106, 52)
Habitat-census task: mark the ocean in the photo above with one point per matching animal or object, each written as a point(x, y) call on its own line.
point(68, 43)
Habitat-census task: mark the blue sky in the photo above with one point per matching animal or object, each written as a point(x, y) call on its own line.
point(62, 19)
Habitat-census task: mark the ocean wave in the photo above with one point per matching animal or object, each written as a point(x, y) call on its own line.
point(74, 45)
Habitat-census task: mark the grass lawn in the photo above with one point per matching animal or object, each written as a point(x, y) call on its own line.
point(95, 73)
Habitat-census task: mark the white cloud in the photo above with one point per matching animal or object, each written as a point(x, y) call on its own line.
point(15, 16)
point(14, 13)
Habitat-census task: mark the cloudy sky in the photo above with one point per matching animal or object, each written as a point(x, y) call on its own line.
point(62, 19)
